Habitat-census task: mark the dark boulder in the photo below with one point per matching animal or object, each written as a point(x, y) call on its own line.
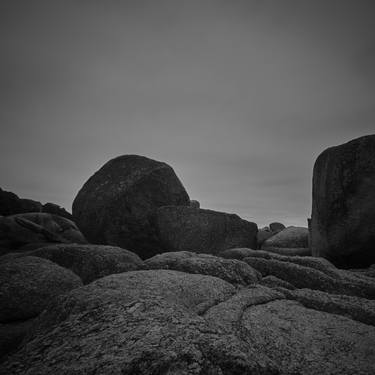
point(263, 235)
point(28, 284)
point(231, 270)
point(114, 206)
point(276, 227)
point(89, 262)
point(35, 228)
point(195, 204)
point(343, 207)
point(202, 231)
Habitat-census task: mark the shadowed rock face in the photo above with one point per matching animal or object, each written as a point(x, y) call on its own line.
point(202, 231)
point(114, 205)
point(343, 210)
point(28, 284)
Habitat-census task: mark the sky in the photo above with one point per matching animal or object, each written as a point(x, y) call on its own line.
point(238, 96)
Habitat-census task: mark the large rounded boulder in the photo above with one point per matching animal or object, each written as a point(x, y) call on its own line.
point(202, 231)
point(343, 210)
point(114, 206)
point(288, 238)
point(28, 284)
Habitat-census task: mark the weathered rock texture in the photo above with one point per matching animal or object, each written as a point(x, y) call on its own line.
point(89, 262)
point(343, 210)
point(169, 322)
point(202, 231)
point(28, 284)
point(291, 237)
point(231, 270)
point(29, 228)
point(114, 206)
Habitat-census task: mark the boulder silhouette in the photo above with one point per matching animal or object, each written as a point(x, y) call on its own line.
point(114, 206)
point(343, 207)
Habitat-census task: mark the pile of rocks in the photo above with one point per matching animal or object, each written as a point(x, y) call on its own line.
point(144, 281)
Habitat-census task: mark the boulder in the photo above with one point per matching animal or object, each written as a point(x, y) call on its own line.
point(89, 262)
point(28, 284)
point(114, 206)
point(11, 204)
point(35, 228)
point(231, 270)
point(195, 204)
point(202, 231)
point(291, 237)
point(344, 204)
point(262, 235)
point(276, 227)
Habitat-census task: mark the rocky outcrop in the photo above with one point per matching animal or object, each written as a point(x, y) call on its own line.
point(262, 235)
point(231, 270)
point(170, 322)
point(22, 229)
point(28, 284)
point(291, 237)
point(344, 204)
point(202, 231)
point(11, 204)
point(89, 262)
point(114, 206)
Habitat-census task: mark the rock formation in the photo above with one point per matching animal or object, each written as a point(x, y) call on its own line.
point(202, 231)
point(114, 205)
point(343, 210)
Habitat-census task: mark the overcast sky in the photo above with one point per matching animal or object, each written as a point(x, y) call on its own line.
point(238, 96)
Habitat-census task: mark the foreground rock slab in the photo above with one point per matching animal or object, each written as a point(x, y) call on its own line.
point(170, 322)
point(202, 231)
point(114, 206)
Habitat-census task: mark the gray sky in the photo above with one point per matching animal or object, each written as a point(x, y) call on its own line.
point(238, 96)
